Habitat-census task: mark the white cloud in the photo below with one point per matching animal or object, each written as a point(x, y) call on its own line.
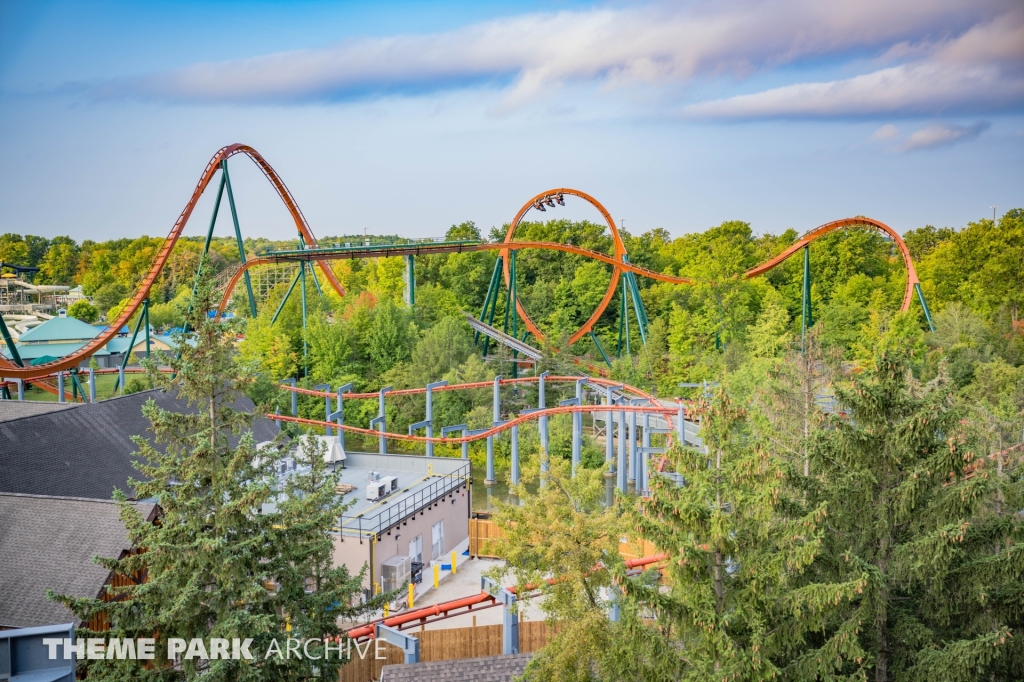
point(660, 46)
point(942, 135)
point(982, 70)
point(885, 132)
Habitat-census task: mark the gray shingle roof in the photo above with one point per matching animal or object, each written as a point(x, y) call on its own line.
point(86, 450)
point(48, 543)
point(16, 409)
point(487, 669)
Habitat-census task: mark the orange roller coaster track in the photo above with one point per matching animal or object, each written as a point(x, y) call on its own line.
point(618, 260)
point(11, 370)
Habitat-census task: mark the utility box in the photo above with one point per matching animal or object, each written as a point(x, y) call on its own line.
point(376, 490)
point(395, 572)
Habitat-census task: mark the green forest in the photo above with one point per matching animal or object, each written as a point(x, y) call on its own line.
point(855, 513)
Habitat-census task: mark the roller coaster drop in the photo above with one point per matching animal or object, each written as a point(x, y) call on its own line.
point(506, 265)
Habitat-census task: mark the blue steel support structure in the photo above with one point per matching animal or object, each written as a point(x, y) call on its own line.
point(490, 439)
point(445, 430)
point(328, 431)
point(409, 645)
point(340, 414)
point(542, 426)
point(381, 421)
point(510, 615)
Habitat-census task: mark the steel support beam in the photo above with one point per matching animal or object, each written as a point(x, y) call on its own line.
point(623, 466)
point(410, 280)
point(542, 426)
point(515, 454)
point(510, 615)
point(409, 645)
point(381, 421)
point(60, 386)
point(430, 412)
point(445, 430)
point(238, 236)
point(295, 396)
point(490, 480)
point(92, 385)
point(924, 307)
point(15, 355)
point(806, 321)
point(287, 294)
point(328, 431)
point(597, 343)
point(339, 415)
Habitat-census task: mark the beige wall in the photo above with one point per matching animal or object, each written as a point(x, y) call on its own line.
point(349, 552)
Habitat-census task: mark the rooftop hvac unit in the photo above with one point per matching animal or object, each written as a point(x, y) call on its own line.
point(395, 572)
point(376, 491)
point(391, 482)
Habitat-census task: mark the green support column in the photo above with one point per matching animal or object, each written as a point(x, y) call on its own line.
point(238, 236)
point(515, 314)
point(509, 301)
point(924, 307)
point(206, 246)
point(145, 315)
point(15, 355)
point(805, 316)
point(128, 352)
point(305, 353)
point(638, 308)
point(601, 349)
point(491, 293)
point(288, 293)
point(623, 321)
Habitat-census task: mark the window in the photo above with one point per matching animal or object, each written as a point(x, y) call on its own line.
point(416, 549)
point(437, 540)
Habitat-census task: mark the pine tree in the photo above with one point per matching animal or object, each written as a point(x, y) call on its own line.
point(918, 511)
point(214, 566)
point(738, 604)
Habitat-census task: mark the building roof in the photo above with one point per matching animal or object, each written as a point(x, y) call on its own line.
point(86, 449)
point(16, 409)
point(57, 330)
point(421, 481)
point(48, 543)
point(486, 669)
point(33, 351)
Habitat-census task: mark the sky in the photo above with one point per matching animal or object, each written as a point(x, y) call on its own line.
point(408, 117)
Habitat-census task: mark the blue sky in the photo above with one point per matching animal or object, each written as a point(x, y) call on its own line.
point(409, 117)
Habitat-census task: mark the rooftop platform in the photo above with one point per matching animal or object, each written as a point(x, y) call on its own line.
point(421, 482)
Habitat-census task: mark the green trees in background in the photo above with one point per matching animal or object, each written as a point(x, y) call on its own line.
point(84, 311)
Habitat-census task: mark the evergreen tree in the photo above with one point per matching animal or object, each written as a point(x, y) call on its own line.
point(738, 603)
point(214, 566)
point(931, 524)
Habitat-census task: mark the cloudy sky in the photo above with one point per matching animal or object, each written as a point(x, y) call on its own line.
point(406, 117)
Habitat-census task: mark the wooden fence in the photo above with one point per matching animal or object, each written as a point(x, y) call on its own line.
point(449, 644)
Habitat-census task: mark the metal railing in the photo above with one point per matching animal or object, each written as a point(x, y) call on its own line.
point(391, 514)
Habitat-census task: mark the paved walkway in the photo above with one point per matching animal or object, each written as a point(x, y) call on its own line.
point(465, 583)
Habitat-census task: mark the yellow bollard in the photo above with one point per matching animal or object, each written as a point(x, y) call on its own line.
point(412, 594)
point(453, 564)
point(437, 574)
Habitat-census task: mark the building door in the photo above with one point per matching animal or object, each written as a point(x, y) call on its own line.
point(416, 549)
point(437, 540)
